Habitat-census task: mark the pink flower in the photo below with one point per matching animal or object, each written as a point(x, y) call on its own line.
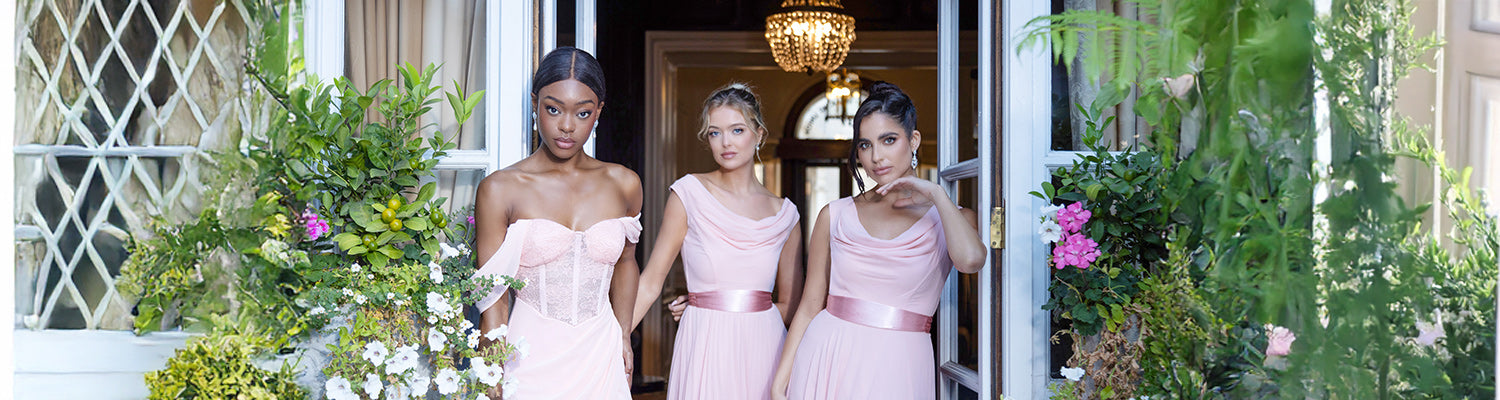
point(315, 226)
point(1076, 250)
point(1279, 341)
point(471, 220)
point(1073, 217)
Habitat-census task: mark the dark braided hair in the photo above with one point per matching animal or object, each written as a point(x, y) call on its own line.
point(885, 98)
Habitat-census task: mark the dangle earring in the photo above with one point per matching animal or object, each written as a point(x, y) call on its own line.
point(913, 161)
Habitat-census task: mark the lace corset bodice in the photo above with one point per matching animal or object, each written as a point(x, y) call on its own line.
point(567, 272)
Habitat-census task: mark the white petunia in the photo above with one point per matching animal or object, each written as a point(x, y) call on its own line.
point(338, 388)
point(1050, 211)
point(1073, 374)
point(419, 383)
point(522, 348)
point(487, 374)
point(373, 385)
point(438, 304)
point(482, 396)
point(447, 251)
point(447, 381)
point(376, 352)
point(435, 272)
point(497, 333)
point(397, 391)
point(405, 359)
point(1050, 231)
point(509, 387)
point(435, 339)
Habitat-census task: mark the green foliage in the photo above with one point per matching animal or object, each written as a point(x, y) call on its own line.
point(222, 365)
point(1122, 190)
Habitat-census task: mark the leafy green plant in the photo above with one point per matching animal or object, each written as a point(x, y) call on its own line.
point(1122, 189)
point(222, 365)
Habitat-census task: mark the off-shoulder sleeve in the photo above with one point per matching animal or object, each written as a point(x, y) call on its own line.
point(505, 262)
point(632, 227)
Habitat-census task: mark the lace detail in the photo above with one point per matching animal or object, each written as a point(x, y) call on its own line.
point(566, 279)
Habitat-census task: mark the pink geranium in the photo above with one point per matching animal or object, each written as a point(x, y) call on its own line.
point(1279, 341)
point(315, 226)
point(1073, 217)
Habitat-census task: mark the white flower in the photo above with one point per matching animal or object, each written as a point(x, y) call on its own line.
point(339, 388)
point(1073, 374)
point(404, 360)
point(359, 298)
point(448, 330)
point(348, 293)
point(1050, 231)
point(400, 302)
point(419, 383)
point(432, 319)
point(354, 268)
point(397, 391)
point(482, 397)
point(463, 249)
point(317, 310)
point(522, 348)
point(447, 381)
point(370, 276)
point(497, 333)
point(509, 387)
point(390, 296)
point(376, 352)
point(465, 324)
point(1050, 211)
point(435, 339)
point(437, 304)
point(487, 374)
point(1429, 332)
point(435, 272)
point(447, 251)
point(373, 385)
point(473, 338)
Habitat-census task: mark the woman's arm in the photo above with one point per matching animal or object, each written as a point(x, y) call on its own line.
point(960, 226)
point(786, 274)
point(663, 255)
point(814, 298)
point(491, 219)
point(627, 271)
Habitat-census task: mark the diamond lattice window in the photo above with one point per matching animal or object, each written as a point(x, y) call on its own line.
point(118, 99)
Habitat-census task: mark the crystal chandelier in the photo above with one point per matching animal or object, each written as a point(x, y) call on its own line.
point(843, 95)
point(810, 35)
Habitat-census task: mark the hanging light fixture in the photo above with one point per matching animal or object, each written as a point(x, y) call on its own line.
point(810, 35)
point(843, 94)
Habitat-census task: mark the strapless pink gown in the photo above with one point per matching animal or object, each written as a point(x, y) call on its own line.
point(564, 311)
point(728, 349)
point(899, 280)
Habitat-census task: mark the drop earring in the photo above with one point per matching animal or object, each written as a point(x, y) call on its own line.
point(914, 161)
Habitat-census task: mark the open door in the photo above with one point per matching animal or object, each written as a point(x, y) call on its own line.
point(966, 332)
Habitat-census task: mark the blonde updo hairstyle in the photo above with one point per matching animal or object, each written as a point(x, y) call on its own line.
point(744, 100)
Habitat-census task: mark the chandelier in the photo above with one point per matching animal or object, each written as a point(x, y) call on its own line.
point(843, 94)
point(810, 35)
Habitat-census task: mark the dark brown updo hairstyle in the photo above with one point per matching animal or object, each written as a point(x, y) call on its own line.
point(885, 98)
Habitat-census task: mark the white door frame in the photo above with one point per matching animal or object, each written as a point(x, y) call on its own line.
point(1027, 159)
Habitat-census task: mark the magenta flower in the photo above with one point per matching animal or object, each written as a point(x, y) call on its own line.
point(1073, 217)
point(315, 226)
point(1075, 250)
point(471, 220)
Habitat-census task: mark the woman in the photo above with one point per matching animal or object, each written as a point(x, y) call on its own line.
point(877, 261)
point(737, 241)
point(566, 224)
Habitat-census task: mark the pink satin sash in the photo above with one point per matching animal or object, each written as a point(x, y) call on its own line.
point(732, 300)
point(876, 315)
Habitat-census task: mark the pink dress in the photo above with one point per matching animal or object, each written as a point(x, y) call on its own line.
point(729, 339)
point(564, 314)
point(872, 340)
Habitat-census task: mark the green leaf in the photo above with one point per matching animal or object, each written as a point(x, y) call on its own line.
point(1093, 191)
point(347, 240)
point(390, 251)
point(426, 192)
point(418, 224)
point(385, 238)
